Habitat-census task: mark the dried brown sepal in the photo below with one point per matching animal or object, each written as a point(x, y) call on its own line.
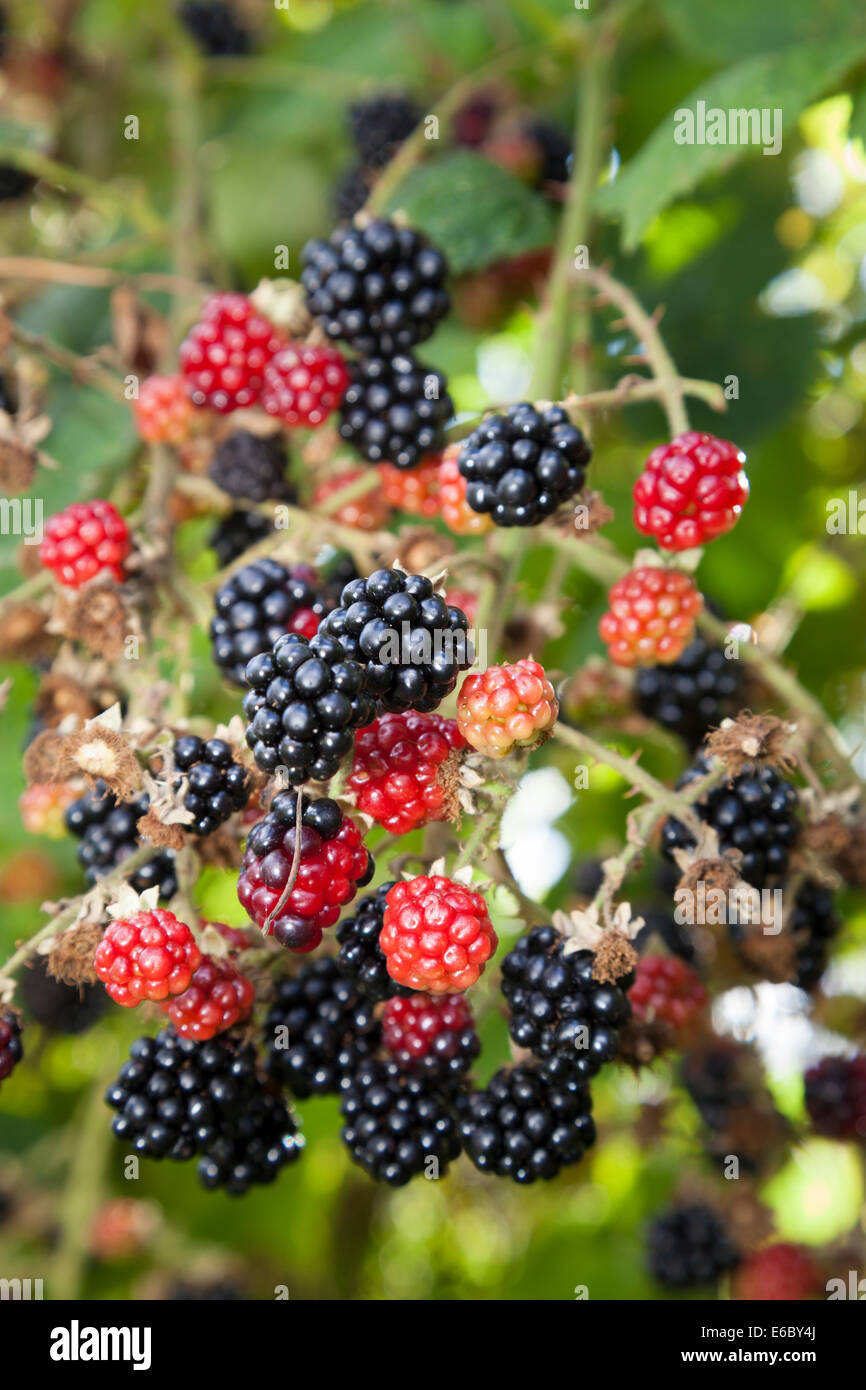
point(23, 633)
point(101, 755)
point(60, 697)
point(772, 957)
point(152, 829)
point(752, 738)
point(840, 844)
point(20, 437)
point(17, 466)
point(596, 690)
point(749, 1220)
point(96, 616)
point(614, 957)
point(42, 757)
point(71, 957)
point(585, 516)
point(650, 1128)
point(421, 548)
point(642, 1041)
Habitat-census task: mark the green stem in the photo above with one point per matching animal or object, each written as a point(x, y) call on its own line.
point(82, 1196)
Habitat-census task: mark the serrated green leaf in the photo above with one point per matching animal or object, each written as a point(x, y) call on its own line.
point(663, 170)
point(475, 212)
point(725, 31)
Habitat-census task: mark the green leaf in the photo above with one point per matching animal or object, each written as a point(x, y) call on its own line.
point(725, 31)
point(475, 212)
point(857, 123)
point(663, 170)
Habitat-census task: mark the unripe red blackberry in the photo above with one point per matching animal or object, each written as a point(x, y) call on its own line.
point(217, 785)
point(163, 411)
point(568, 1019)
point(436, 935)
point(84, 540)
point(524, 1127)
point(431, 1034)
point(366, 512)
point(218, 996)
point(411, 645)
point(456, 511)
point(755, 813)
point(224, 355)
point(666, 988)
point(836, 1097)
point(397, 1125)
point(397, 767)
point(690, 491)
point(395, 410)
point(333, 865)
point(108, 835)
point(412, 490)
point(11, 1050)
point(379, 288)
point(778, 1273)
point(521, 466)
point(360, 958)
point(507, 707)
point(149, 955)
point(305, 702)
point(256, 606)
point(689, 1247)
point(252, 467)
point(304, 385)
point(651, 617)
point(317, 1029)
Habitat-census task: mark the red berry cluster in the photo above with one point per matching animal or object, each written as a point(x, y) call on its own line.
point(223, 357)
point(667, 988)
point(507, 707)
point(456, 512)
point(412, 1027)
point(149, 955)
point(651, 618)
point(303, 385)
point(690, 491)
point(779, 1273)
point(84, 540)
point(413, 490)
point(436, 935)
point(163, 411)
point(396, 772)
point(217, 997)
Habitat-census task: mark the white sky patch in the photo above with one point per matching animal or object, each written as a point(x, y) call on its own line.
point(537, 854)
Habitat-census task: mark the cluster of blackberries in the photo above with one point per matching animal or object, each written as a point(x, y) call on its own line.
point(256, 606)
point(395, 410)
point(180, 1099)
point(60, 1007)
point(813, 924)
point(218, 786)
point(235, 533)
point(106, 828)
point(305, 701)
point(11, 1050)
point(524, 1126)
point(559, 1011)
point(397, 1124)
point(318, 1029)
point(692, 694)
point(410, 643)
point(689, 1247)
point(378, 125)
point(360, 958)
point(755, 813)
point(215, 27)
point(253, 467)
point(521, 466)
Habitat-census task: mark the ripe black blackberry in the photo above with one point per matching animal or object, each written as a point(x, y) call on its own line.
point(813, 923)
point(177, 1099)
point(106, 828)
point(411, 644)
point(555, 151)
point(253, 467)
point(521, 466)
point(236, 533)
point(215, 27)
point(396, 1123)
point(395, 410)
point(378, 124)
point(755, 812)
point(692, 694)
point(690, 1247)
point(11, 1050)
point(524, 1127)
point(359, 958)
point(14, 183)
point(218, 786)
point(565, 1017)
point(60, 1007)
point(836, 1097)
point(318, 1027)
point(714, 1079)
point(379, 288)
point(350, 192)
point(256, 606)
point(305, 701)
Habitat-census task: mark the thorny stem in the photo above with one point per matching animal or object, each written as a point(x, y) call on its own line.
point(86, 370)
